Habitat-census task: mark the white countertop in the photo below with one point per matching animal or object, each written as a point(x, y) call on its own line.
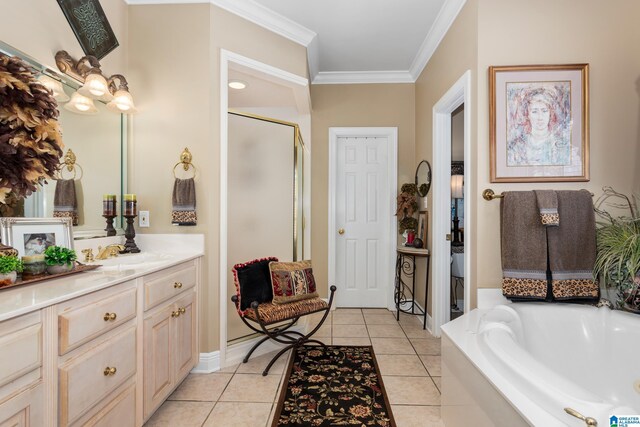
point(158, 252)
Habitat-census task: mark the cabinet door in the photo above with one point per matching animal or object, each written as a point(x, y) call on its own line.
point(24, 410)
point(158, 348)
point(185, 351)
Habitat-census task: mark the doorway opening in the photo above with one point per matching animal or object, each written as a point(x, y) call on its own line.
point(457, 213)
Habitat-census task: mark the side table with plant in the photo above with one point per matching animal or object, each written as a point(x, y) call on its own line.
point(618, 243)
point(10, 266)
point(59, 259)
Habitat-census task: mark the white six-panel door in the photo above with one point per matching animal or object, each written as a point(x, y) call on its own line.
point(362, 217)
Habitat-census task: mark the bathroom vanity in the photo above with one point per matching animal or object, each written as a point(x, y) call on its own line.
point(99, 348)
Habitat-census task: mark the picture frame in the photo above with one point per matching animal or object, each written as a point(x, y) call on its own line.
point(31, 236)
point(90, 26)
point(539, 123)
point(423, 225)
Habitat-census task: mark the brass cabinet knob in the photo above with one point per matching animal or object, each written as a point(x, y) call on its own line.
point(341, 231)
point(175, 313)
point(182, 310)
point(177, 285)
point(110, 316)
point(108, 371)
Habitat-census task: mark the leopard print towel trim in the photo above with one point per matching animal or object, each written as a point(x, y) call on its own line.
point(524, 288)
point(575, 288)
point(184, 217)
point(67, 214)
point(550, 219)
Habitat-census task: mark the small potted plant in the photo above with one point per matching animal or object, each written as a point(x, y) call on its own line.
point(10, 266)
point(407, 206)
point(59, 259)
point(618, 257)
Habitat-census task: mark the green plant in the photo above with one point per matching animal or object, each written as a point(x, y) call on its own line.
point(58, 255)
point(10, 263)
point(618, 242)
point(407, 206)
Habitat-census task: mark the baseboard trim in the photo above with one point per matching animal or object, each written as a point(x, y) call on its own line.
point(419, 318)
point(209, 362)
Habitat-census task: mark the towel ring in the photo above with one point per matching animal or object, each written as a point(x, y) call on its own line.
point(185, 161)
point(69, 163)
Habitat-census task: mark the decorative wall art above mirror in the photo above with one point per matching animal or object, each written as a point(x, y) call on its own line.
point(93, 159)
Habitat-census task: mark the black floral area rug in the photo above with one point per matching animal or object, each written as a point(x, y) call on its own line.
point(333, 386)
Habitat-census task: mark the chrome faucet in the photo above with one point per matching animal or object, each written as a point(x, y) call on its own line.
point(109, 251)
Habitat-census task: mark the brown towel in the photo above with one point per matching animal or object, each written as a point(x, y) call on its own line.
point(572, 248)
point(184, 202)
point(65, 203)
point(548, 207)
point(524, 247)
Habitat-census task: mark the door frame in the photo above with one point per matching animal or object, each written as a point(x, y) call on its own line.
point(299, 84)
point(391, 133)
point(458, 94)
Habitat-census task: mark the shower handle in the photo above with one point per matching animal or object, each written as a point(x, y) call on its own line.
point(587, 420)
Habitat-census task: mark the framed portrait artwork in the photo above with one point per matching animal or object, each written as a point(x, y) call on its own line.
point(31, 236)
point(539, 123)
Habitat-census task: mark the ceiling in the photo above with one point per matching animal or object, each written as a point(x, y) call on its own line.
point(352, 41)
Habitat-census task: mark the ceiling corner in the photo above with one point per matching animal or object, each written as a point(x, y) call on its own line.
point(444, 20)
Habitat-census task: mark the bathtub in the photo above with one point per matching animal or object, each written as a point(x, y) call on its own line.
point(535, 359)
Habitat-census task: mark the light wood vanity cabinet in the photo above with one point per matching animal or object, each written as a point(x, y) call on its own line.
point(107, 358)
point(170, 344)
point(21, 359)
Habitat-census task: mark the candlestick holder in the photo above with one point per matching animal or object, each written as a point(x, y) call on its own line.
point(130, 234)
point(110, 230)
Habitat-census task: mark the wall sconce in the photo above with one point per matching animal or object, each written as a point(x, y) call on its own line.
point(95, 85)
point(80, 104)
point(54, 86)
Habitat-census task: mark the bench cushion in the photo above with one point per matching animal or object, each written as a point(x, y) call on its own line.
point(271, 313)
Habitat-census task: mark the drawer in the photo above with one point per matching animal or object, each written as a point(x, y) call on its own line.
point(120, 411)
point(84, 380)
point(167, 283)
point(20, 347)
point(88, 317)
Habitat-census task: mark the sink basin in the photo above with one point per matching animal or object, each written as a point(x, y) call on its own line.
point(130, 261)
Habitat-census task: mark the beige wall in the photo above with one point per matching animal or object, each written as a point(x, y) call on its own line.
point(602, 34)
point(373, 105)
point(39, 29)
point(456, 54)
point(174, 61)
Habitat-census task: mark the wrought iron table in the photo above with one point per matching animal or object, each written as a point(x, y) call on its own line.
point(404, 294)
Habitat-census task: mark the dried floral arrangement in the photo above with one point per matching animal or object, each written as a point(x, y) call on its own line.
point(407, 206)
point(30, 136)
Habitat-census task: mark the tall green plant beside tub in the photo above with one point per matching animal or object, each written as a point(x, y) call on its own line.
point(10, 266)
point(618, 243)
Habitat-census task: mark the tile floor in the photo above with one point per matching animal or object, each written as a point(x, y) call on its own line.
point(408, 357)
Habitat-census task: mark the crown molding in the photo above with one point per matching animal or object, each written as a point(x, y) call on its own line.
point(362, 77)
point(448, 13)
point(253, 12)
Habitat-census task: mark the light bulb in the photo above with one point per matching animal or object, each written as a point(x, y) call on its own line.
point(122, 102)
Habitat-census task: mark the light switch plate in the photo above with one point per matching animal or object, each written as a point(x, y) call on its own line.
point(143, 218)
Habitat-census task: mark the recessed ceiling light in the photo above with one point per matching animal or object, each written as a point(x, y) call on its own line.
point(237, 84)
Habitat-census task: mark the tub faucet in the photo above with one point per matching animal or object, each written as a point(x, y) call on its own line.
point(587, 420)
point(109, 251)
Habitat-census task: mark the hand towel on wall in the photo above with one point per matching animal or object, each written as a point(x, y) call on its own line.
point(65, 202)
point(523, 246)
point(547, 201)
point(184, 202)
point(572, 248)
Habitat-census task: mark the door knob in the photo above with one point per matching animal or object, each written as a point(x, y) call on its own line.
point(341, 231)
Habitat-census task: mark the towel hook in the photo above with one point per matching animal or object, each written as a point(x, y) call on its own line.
point(185, 161)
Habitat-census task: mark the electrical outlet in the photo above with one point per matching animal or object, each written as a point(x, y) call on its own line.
point(143, 218)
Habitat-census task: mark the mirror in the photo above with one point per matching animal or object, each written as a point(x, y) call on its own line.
point(99, 144)
point(423, 178)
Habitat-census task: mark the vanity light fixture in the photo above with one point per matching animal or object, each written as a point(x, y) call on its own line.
point(122, 101)
point(237, 84)
point(80, 104)
point(95, 85)
point(54, 86)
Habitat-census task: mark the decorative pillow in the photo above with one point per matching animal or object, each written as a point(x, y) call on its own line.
point(253, 282)
point(292, 281)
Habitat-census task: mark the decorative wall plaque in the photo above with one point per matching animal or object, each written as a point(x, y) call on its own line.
point(90, 25)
